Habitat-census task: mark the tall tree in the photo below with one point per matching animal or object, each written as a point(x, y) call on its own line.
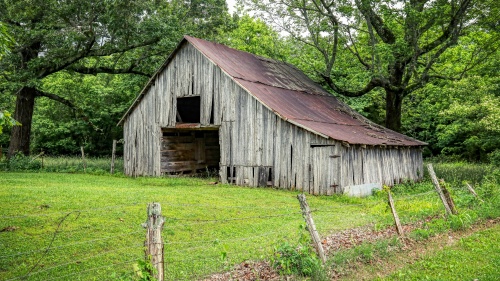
point(90, 37)
point(397, 46)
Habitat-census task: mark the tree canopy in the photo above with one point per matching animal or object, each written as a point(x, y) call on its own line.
point(90, 37)
point(395, 46)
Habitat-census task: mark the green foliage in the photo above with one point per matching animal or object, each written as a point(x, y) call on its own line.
point(19, 162)
point(60, 164)
point(254, 36)
point(366, 46)
point(145, 270)
point(6, 120)
point(458, 172)
point(494, 157)
point(471, 209)
point(102, 99)
point(6, 40)
point(58, 42)
point(458, 119)
point(299, 259)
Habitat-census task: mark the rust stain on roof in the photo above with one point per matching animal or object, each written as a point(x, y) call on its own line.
point(295, 97)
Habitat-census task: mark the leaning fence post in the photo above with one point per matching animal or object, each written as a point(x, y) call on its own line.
point(306, 213)
point(395, 214)
point(113, 152)
point(154, 242)
point(449, 200)
point(471, 190)
point(438, 188)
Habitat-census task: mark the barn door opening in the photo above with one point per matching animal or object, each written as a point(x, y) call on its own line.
point(325, 170)
point(190, 151)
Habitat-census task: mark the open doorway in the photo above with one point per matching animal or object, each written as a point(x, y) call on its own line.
point(190, 151)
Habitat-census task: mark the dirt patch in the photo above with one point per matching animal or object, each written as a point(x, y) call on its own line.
point(410, 252)
point(355, 236)
point(248, 271)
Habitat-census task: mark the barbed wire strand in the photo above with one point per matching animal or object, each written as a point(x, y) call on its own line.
point(145, 204)
point(65, 212)
point(230, 219)
point(73, 244)
point(93, 269)
point(52, 241)
point(217, 241)
point(78, 260)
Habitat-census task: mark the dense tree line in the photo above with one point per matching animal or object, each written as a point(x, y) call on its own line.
point(425, 68)
point(63, 40)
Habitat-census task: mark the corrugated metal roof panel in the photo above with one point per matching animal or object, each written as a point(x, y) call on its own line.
point(295, 97)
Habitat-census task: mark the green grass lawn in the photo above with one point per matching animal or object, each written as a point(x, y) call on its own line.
point(93, 224)
point(61, 226)
point(476, 257)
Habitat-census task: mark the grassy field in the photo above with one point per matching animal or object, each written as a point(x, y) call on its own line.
point(475, 257)
point(92, 224)
point(61, 226)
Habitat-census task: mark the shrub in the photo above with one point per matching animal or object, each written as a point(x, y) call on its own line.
point(494, 157)
point(19, 162)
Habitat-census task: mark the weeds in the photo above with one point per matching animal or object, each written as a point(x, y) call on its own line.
point(344, 260)
point(60, 164)
point(458, 172)
point(298, 259)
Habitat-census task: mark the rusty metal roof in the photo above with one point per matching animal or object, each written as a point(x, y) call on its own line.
point(296, 98)
point(292, 95)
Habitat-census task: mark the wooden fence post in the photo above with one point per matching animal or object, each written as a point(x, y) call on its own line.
point(438, 188)
point(395, 214)
point(154, 242)
point(306, 213)
point(469, 187)
point(449, 200)
point(83, 159)
point(113, 152)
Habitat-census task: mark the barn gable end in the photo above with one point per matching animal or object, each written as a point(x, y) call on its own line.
point(207, 108)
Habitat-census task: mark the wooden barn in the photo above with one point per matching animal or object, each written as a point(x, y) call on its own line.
point(259, 122)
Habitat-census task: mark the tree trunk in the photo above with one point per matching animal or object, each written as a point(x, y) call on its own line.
point(20, 135)
point(394, 101)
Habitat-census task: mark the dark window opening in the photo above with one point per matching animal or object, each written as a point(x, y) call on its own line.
point(188, 110)
point(270, 177)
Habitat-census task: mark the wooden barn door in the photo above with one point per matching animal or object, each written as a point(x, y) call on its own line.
point(325, 170)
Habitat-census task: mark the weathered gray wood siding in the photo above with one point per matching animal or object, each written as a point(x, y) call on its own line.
point(257, 147)
point(383, 165)
point(142, 138)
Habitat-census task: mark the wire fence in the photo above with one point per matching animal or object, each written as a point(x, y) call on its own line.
point(202, 239)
